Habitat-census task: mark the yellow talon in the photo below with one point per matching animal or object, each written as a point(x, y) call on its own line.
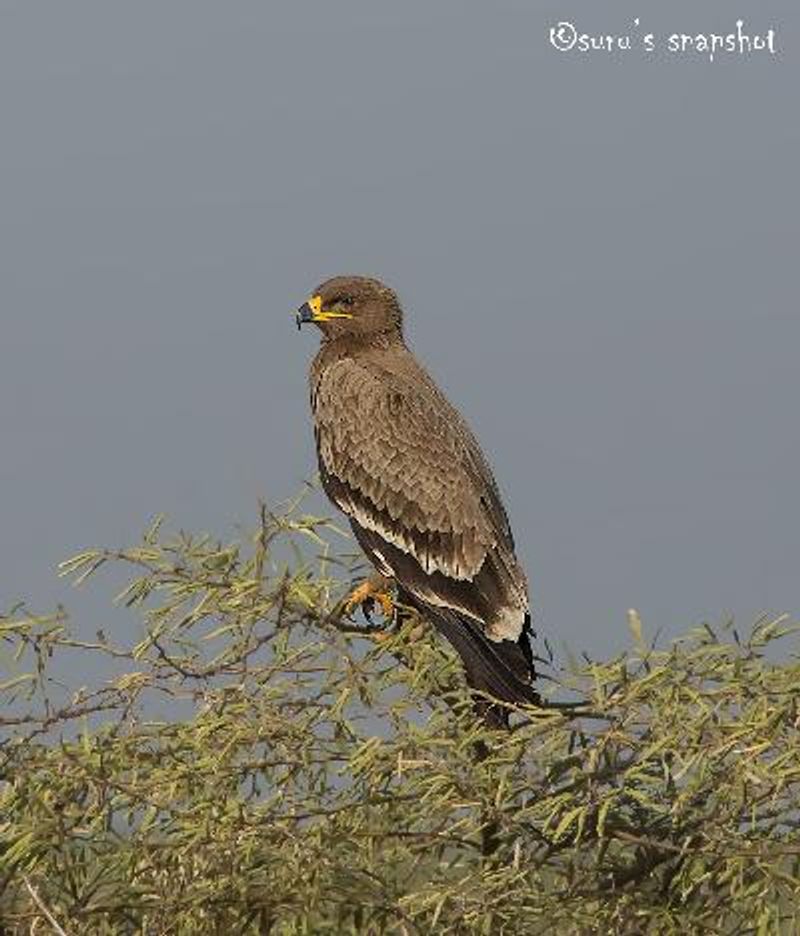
point(384, 599)
point(369, 591)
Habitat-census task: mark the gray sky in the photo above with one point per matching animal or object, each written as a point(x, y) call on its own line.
point(598, 255)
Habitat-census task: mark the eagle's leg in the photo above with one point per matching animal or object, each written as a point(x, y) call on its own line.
point(372, 591)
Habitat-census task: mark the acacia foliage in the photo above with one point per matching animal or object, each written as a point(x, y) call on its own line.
point(253, 761)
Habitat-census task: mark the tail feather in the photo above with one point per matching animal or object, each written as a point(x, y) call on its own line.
point(501, 669)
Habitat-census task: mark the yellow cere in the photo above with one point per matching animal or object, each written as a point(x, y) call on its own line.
point(324, 315)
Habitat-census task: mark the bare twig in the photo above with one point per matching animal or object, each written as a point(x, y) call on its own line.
point(41, 905)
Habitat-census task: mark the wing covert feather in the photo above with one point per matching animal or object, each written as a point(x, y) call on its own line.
point(406, 466)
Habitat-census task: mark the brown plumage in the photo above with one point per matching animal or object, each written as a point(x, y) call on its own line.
point(401, 463)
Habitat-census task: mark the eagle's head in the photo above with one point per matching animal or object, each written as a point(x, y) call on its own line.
point(353, 305)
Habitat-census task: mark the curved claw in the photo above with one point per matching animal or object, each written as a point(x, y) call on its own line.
point(366, 596)
point(367, 607)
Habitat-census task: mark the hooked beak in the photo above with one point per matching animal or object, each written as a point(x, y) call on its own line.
point(304, 314)
point(309, 311)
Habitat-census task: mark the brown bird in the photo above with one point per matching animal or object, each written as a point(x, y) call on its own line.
point(397, 458)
